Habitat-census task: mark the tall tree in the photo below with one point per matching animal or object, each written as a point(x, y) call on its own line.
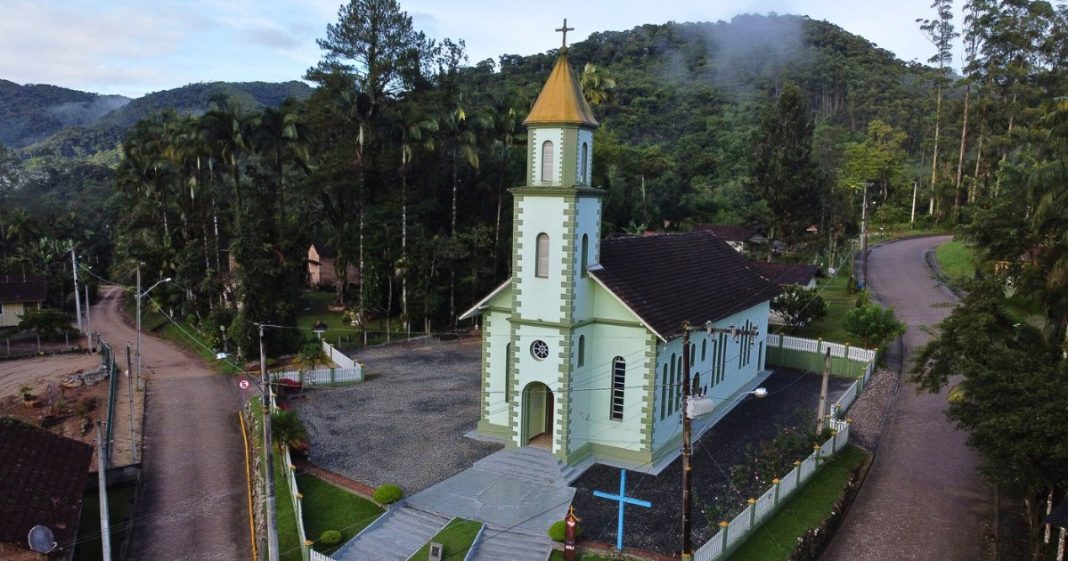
point(940, 32)
point(782, 171)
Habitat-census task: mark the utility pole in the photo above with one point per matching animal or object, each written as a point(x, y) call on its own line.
point(823, 392)
point(101, 467)
point(77, 299)
point(129, 397)
point(88, 330)
point(687, 481)
point(272, 529)
point(139, 325)
point(864, 237)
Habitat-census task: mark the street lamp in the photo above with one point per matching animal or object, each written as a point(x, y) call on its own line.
point(141, 295)
point(695, 407)
point(272, 528)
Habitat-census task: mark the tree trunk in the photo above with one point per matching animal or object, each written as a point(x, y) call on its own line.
point(960, 159)
point(934, 155)
point(404, 249)
point(452, 262)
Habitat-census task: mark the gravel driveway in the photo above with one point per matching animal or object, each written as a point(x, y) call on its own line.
point(405, 424)
point(792, 396)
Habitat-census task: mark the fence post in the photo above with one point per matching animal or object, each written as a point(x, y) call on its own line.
point(725, 530)
point(816, 448)
point(834, 439)
point(331, 375)
point(797, 470)
point(776, 482)
point(752, 513)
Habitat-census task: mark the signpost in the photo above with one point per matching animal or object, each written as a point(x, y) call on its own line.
point(623, 501)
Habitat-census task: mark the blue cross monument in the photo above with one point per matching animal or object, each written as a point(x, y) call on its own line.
point(623, 501)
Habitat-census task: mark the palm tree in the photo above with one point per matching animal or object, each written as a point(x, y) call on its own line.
point(597, 84)
point(287, 430)
point(414, 132)
point(507, 134)
point(282, 136)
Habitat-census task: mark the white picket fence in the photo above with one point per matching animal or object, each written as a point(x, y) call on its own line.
point(316, 556)
point(759, 509)
point(838, 350)
point(320, 376)
point(295, 497)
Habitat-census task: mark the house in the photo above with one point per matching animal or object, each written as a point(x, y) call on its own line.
point(44, 478)
point(787, 274)
point(322, 269)
point(19, 293)
point(741, 238)
point(582, 345)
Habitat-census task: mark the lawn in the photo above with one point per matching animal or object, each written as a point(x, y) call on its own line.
point(839, 301)
point(329, 507)
point(957, 261)
point(456, 538)
point(285, 516)
point(809, 506)
point(315, 306)
point(88, 546)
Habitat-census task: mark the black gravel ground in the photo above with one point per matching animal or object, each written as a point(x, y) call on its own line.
point(405, 424)
point(791, 395)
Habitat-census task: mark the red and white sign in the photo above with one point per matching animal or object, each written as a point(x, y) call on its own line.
point(243, 384)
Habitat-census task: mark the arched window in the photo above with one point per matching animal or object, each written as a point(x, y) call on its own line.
point(547, 161)
point(508, 372)
point(582, 351)
point(619, 385)
point(584, 164)
point(541, 257)
point(696, 386)
point(585, 255)
point(693, 354)
point(663, 392)
point(704, 349)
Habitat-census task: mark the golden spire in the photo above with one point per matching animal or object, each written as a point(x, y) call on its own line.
point(561, 100)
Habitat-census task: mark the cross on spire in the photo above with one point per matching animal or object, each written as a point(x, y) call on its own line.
point(564, 30)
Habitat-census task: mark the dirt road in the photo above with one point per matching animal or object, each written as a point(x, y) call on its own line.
point(37, 372)
point(923, 499)
point(194, 506)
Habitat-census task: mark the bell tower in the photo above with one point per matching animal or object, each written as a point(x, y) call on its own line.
point(555, 239)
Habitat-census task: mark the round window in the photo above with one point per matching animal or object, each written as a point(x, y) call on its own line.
point(539, 349)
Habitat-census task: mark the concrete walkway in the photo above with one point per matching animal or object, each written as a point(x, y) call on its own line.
point(923, 499)
point(517, 493)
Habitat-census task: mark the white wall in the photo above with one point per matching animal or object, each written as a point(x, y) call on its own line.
point(538, 137)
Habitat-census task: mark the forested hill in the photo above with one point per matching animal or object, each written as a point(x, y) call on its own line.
point(47, 120)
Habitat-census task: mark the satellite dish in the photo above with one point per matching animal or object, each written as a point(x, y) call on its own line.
point(41, 539)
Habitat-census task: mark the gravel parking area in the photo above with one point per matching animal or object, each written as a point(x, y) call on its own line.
point(791, 395)
point(405, 424)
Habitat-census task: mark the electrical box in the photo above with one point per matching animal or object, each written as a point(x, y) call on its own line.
point(437, 552)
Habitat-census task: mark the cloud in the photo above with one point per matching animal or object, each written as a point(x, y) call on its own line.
point(270, 36)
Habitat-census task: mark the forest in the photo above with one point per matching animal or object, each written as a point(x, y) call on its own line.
point(403, 153)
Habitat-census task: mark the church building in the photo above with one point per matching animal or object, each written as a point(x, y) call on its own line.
point(582, 345)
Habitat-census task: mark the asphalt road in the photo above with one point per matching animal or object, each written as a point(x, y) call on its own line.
point(194, 505)
point(923, 499)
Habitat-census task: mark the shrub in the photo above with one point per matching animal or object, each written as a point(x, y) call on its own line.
point(558, 531)
point(330, 537)
point(387, 493)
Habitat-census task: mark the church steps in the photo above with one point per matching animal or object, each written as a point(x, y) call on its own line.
point(527, 463)
point(498, 544)
point(401, 533)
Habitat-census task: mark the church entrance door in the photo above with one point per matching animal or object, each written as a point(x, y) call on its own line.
point(538, 415)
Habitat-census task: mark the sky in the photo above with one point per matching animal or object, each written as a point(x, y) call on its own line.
point(133, 47)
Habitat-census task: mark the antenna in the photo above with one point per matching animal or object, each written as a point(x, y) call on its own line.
point(41, 539)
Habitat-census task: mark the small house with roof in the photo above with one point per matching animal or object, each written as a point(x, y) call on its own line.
point(582, 344)
point(44, 477)
point(322, 267)
point(741, 238)
point(19, 293)
point(789, 274)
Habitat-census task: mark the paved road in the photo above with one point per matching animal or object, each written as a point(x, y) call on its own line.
point(923, 499)
point(195, 500)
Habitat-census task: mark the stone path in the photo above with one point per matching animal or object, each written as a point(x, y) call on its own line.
point(923, 499)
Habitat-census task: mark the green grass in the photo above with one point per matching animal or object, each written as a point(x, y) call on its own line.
point(285, 516)
point(329, 507)
point(839, 301)
point(809, 506)
point(957, 261)
point(315, 306)
point(89, 546)
point(456, 538)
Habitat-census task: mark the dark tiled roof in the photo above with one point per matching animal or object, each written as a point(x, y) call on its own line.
point(324, 250)
point(671, 278)
point(22, 288)
point(729, 232)
point(787, 273)
point(37, 466)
